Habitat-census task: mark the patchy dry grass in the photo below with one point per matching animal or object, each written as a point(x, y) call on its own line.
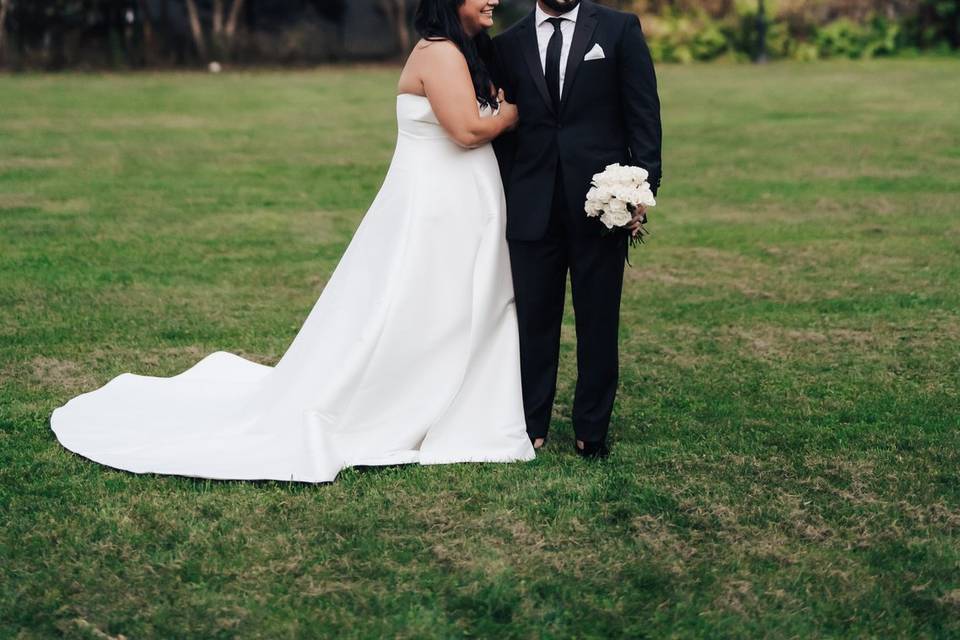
point(785, 439)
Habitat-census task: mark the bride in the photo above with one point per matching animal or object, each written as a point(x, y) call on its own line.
point(411, 352)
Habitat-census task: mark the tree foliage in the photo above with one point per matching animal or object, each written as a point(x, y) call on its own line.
point(149, 33)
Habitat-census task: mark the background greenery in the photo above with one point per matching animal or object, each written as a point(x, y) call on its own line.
point(56, 34)
point(785, 456)
point(689, 30)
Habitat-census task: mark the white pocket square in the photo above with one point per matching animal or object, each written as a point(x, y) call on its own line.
point(594, 54)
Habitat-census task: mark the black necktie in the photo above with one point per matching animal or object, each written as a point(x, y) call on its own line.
point(552, 67)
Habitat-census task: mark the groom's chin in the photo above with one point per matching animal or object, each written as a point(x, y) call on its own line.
point(561, 5)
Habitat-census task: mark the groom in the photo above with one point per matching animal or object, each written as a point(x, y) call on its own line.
point(583, 80)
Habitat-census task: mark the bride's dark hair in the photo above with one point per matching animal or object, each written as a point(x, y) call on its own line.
point(437, 20)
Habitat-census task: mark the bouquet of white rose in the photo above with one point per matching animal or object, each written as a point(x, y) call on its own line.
point(615, 194)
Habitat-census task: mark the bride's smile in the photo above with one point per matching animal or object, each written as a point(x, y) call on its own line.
point(477, 15)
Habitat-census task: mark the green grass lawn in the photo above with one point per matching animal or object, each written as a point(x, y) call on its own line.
point(786, 434)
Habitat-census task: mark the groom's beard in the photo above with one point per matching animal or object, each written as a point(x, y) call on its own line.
point(561, 6)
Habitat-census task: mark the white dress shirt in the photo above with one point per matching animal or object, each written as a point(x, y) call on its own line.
point(545, 32)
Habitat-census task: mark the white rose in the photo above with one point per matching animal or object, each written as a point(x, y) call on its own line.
point(621, 219)
point(626, 194)
point(616, 206)
point(618, 174)
point(611, 174)
point(615, 218)
point(617, 213)
point(639, 174)
point(630, 196)
point(646, 197)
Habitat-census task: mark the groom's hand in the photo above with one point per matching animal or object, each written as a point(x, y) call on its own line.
point(638, 219)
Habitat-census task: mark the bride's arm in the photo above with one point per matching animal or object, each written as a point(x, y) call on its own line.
point(449, 88)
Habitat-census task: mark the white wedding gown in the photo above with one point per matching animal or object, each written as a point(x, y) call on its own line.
point(411, 353)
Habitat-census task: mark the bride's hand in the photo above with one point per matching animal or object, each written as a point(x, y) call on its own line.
point(508, 110)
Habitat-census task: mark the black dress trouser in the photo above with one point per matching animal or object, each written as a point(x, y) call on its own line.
point(596, 265)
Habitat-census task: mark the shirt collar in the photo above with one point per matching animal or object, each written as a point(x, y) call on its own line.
point(541, 16)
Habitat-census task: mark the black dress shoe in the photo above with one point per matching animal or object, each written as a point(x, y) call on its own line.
point(592, 450)
point(533, 441)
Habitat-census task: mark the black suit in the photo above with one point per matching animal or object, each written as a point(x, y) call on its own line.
point(609, 112)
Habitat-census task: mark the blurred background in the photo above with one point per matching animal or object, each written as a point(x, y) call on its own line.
point(135, 34)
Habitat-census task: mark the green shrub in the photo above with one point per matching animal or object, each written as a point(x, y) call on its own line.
point(708, 43)
point(685, 36)
point(844, 38)
point(685, 39)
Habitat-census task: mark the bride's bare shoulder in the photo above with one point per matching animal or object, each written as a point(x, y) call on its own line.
point(437, 50)
point(431, 59)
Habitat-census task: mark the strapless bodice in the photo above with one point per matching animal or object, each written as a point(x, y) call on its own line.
point(415, 117)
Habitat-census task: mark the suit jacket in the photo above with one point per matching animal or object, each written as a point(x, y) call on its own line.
point(609, 112)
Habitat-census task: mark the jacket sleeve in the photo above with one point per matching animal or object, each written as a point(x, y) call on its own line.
point(641, 104)
point(504, 146)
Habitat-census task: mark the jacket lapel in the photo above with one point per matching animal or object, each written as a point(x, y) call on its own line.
point(582, 34)
point(531, 53)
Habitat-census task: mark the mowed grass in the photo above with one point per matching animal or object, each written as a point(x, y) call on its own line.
point(785, 438)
